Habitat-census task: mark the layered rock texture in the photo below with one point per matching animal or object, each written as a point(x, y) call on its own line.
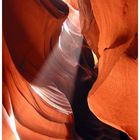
point(103, 96)
point(112, 30)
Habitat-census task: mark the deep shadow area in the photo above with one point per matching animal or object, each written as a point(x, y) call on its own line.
point(88, 126)
point(61, 9)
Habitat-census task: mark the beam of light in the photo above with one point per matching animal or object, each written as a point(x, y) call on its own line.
point(55, 82)
point(95, 58)
point(73, 4)
point(13, 126)
point(57, 100)
point(11, 122)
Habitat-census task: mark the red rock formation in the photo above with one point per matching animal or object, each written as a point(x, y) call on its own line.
point(29, 38)
point(30, 30)
point(113, 97)
point(32, 115)
point(28, 33)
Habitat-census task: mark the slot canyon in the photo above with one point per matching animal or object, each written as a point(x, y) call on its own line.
point(70, 70)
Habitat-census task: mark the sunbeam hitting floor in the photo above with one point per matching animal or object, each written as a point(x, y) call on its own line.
point(55, 82)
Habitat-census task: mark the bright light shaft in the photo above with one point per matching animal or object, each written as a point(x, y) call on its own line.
point(55, 82)
point(11, 122)
point(13, 125)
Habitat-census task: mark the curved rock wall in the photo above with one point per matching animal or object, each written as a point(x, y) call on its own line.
point(31, 30)
point(113, 97)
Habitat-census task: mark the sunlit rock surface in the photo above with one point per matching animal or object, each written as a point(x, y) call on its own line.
point(29, 42)
point(113, 97)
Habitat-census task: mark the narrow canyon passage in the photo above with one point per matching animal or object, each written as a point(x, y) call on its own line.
point(55, 59)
